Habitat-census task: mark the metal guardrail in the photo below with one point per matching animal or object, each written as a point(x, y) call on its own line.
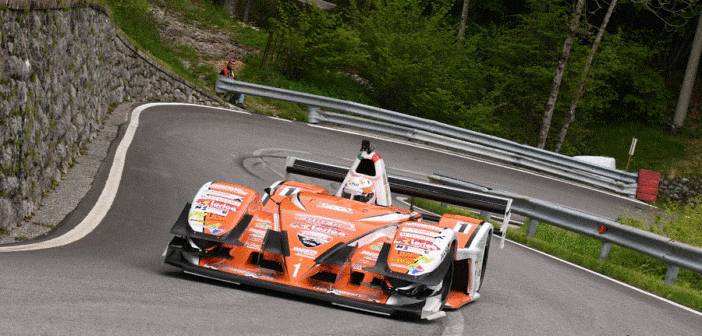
point(671, 252)
point(439, 134)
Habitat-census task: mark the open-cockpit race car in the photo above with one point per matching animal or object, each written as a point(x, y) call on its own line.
point(352, 248)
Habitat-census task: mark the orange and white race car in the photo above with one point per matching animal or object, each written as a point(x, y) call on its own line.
point(352, 248)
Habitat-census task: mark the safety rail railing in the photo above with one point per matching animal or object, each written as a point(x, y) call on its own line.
point(675, 254)
point(384, 121)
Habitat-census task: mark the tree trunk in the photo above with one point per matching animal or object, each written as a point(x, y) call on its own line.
point(246, 11)
point(689, 80)
point(231, 7)
point(464, 18)
point(555, 87)
point(583, 76)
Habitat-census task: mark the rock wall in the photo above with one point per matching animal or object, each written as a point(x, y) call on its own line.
point(60, 72)
point(680, 189)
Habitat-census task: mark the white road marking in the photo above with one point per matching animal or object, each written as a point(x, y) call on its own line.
point(104, 202)
point(281, 119)
point(610, 279)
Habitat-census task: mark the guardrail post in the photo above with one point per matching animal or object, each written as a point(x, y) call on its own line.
point(313, 115)
point(671, 275)
point(604, 251)
point(531, 227)
point(484, 214)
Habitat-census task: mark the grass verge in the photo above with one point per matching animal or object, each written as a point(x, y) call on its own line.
point(656, 148)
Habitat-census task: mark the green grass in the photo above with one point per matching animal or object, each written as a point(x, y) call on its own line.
point(656, 148)
point(622, 264)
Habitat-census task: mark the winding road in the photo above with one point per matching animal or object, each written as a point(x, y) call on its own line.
point(101, 272)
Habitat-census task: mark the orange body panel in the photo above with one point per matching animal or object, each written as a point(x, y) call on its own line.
point(313, 222)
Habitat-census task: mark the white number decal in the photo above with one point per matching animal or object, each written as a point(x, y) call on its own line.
point(462, 227)
point(297, 269)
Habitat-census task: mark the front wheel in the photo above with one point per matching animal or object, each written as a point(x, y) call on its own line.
point(483, 266)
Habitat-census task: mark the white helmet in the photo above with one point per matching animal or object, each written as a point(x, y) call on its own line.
point(359, 189)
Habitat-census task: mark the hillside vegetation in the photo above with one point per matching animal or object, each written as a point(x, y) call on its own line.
point(404, 55)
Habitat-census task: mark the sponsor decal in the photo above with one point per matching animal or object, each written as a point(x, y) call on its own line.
point(229, 188)
point(205, 209)
point(417, 243)
point(197, 217)
point(416, 236)
point(372, 255)
point(222, 194)
point(313, 239)
point(215, 228)
point(256, 239)
point(305, 253)
point(364, 261)
point(376, 247)
point(257, 232)
point(423, 260)
point(227, 206)
point(318, 220)
point(425, 226)
point(409, 249)
point(401, 261)
point(397, 265)
point(335, 207)
point(252, 246)
point(415, 269)
point(330, 230)
point(209, 200)
point(419, 231)
point(263, 225)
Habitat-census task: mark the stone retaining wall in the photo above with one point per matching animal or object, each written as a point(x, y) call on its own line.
point(61, 71)
point(680, 188)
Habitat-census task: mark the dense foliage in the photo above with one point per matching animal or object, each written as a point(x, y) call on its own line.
point(406, 56)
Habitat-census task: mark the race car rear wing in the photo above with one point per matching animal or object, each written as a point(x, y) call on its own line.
point(455, 196)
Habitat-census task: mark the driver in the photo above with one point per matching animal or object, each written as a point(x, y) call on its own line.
point(359, 189)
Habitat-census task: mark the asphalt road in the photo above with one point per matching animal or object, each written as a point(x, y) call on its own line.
point(112, 280)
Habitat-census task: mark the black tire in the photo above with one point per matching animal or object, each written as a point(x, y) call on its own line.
point(483, 267)
point(204, 245)
point(446, 285)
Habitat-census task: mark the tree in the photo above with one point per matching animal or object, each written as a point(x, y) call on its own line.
point(583, 77)
point(555, 86)
point(689, 80)
point(464, 18)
